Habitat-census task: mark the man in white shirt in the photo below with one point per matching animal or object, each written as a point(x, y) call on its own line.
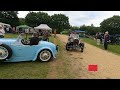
point(2, 32)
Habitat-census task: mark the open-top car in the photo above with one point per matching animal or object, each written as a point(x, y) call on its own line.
point(74, 43)
point(17, 49)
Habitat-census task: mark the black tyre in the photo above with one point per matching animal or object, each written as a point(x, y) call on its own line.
point(81, 49)
point(5, 52)
point(45, 55)
point(67, 47)
point(81, 46)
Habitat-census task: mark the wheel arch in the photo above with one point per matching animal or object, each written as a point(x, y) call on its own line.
point(41, 49)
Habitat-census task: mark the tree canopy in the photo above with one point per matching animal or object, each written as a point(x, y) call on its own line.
point(60, 22)
point(56, 21)
point(22, 21)
point(112, 25)
point(9, 17)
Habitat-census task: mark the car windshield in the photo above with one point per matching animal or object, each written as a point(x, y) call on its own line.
point(74, 36)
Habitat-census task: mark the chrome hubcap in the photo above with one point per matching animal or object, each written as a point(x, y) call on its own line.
point(45, 55)
point(3, 53)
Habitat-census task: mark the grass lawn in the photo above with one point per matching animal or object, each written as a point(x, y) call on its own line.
point(15, 35)
point(112, 48)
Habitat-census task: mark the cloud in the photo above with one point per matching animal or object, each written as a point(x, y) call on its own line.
point(78, 18)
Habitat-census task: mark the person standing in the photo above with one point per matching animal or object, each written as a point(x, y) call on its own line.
point(14, 30)
point(2, 32)
point(106, 40)
point(46, 36)
point(54, 33)
point(98, 38)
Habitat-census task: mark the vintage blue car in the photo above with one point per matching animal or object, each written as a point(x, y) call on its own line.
point(16, 50)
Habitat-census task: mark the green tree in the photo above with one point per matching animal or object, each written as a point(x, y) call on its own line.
point(112, 25)
point(75, 28)
point(9, 17)
point(60, 22)
point(43, 18)
point(91, 30)
point(22, 21)
point(34, 19)
point(31, 19)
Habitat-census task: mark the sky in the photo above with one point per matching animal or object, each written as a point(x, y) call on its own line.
point(78, 18)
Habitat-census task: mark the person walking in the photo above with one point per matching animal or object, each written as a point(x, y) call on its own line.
point(106, 40)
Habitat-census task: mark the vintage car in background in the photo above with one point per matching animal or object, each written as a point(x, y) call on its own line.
point(74, 43)
point(17, 49)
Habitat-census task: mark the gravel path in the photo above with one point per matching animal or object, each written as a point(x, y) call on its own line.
point(108, 63)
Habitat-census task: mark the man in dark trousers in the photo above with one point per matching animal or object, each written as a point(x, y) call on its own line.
point(106, 40)
point(35, 39)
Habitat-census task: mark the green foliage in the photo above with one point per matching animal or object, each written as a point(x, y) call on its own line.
point(112, 25)
point(65, 32)
point(9, 17)
point(60, 22)
point(75, 28)
point(43, 18)
point(56, 21)
point(91, 30)
point(22, 21)
point(31, 19)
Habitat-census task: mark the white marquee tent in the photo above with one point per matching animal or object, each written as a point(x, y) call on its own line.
point(43, 27)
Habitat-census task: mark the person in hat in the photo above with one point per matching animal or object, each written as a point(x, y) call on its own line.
point(106, 40)
point(2, 32)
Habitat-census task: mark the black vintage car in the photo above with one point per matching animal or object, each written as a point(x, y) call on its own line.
point(74, 44)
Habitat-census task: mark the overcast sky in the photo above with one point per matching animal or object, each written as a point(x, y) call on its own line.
point(78, 18)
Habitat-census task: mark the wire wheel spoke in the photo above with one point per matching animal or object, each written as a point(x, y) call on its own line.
point(45, 55)
point(3, 53)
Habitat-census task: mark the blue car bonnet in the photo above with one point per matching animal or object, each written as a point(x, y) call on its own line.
point(7, 40)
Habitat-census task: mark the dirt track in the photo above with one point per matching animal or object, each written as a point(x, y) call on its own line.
point(108, 63)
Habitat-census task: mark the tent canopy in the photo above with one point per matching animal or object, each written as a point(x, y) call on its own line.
point(5, 24)
point(43, 27)
point(23, 26)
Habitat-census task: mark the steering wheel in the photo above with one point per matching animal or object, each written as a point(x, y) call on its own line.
point(25, 42)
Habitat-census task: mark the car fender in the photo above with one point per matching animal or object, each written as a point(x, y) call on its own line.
point(41, 50)
point(1, 43)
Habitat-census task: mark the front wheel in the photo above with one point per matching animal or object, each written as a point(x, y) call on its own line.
point(45, 55)
point(5, 52)
point(81, 49)
point(81, 46)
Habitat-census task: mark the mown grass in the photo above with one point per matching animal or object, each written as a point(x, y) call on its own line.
point(11, 35)
point(112, 48)
point(24, 70)
point(16, 35)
